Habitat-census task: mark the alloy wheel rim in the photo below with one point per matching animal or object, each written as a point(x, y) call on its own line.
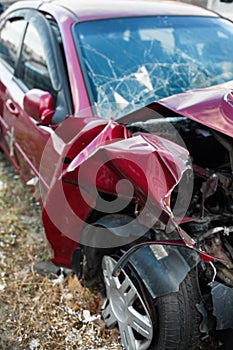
point(124, 307)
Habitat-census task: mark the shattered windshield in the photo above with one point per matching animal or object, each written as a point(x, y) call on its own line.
point(131, 62)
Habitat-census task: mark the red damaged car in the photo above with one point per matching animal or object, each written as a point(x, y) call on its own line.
point(118, 115)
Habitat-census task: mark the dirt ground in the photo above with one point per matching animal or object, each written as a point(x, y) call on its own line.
point(38, 312)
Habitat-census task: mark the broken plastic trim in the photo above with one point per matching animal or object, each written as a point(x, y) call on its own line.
point(125, 257)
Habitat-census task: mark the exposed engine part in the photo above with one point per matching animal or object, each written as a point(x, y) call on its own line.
point(227, 143)
point(199, 227)
point(226, 182)
point(228, 247)
point(213, 231)
point(214, 247)
point(208, 188)
point(225, 275)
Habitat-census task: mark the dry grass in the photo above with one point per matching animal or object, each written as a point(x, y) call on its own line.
point(40, 312)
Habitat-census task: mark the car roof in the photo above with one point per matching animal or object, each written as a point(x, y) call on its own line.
point(97, 9)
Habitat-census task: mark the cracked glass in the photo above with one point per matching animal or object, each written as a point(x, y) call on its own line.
point(131, 62)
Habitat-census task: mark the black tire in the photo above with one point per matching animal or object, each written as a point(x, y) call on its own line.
point(171, 321)
point(178, 318)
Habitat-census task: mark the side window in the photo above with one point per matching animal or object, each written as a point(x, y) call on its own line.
point(33, 68)
point(10, 41)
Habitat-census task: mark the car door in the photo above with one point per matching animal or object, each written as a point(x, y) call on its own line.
point(11, 35)
point(39, 66)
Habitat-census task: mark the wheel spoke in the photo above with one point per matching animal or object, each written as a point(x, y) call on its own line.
point(110, 281)
point(119, 308)
point(127, 337)
point(141, 323)
point(128, 291)
point(108, 315)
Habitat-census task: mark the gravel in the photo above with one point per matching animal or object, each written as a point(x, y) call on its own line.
point(40, 312)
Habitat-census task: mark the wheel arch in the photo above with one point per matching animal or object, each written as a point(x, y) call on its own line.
point(161, 268)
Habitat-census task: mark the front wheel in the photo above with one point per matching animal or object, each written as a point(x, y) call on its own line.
point(168, 323)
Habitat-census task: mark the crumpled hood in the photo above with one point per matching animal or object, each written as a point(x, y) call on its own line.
point(153, 166)
point(212, 106)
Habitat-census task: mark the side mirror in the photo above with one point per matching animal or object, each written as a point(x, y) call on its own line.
point(39, 105)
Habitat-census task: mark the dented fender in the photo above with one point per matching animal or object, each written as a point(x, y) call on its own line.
point(163, 268)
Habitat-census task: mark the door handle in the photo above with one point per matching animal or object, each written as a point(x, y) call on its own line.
point(12, 108)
